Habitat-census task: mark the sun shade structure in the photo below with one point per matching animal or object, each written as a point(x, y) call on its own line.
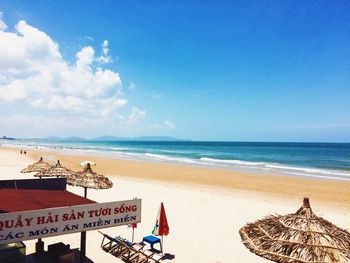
point(301, 237)
point(32, 194)
point(161, 227)
point(89, 179)
point(56, 171)
point(39, 166)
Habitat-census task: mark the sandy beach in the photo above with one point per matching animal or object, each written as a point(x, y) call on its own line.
point(230, 113)
point(205, 207)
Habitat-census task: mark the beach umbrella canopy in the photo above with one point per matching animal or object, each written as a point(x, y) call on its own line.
point(56, 171)
point(89, 179)
point(299, 237)
point(39, 166)
point(161, 227)
point(85, 163)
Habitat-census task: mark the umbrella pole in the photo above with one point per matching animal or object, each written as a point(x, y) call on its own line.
point(132, 240)
point(82, 246)
point(83, 238)
point(161, 246)
point(39, 246)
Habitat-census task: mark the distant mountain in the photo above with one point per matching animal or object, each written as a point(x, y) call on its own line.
point(115, 138)
point(141, 138)
point(74, 138)
point(157, 138)
point(71, 138)
point(7, 138)
point(110, 138)
point(53, 138)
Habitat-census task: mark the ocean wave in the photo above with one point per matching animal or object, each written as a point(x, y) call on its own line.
point(322, 176)
point(309, 170)
point(280, 168)
point(184, 156)
point(170, 158)
point(118, 148)
point(237, 162)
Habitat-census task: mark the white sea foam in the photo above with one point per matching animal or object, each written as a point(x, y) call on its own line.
point(321, 176)
point(118, 148)
point(170, 158)
point(309, 170)
point(281, 169)
point(238, 162)
point(232, 164)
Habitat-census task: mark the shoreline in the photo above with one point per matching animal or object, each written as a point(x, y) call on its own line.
point(326, 190)
point(235, 165)
point(196, 209)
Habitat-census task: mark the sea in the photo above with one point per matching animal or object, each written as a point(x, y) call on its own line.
point(317, 160)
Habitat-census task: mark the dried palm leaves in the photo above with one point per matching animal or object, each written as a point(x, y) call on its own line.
point(39, 166)
point(56, 171)
point(89, 179)
point(300, 237)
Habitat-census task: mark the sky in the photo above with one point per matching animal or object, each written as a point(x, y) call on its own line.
point(201, 70)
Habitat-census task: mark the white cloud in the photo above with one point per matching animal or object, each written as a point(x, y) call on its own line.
point(136, 115)
point(12, 91)
point(154, 126)
point(132, 86)
point(166, 125)
point(87, 38)
point(105, 48)
point(85, 57)
point(169, 125)
point(19, 126)
point(32, 70)
point(120, 102)
point(36, 103)
point(27, 51)
point(3, 26)
point(104, 58)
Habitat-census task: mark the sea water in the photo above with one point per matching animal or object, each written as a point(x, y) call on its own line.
point(319, 160)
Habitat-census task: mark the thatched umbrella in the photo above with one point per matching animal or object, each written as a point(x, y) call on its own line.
point(56, 171)
point(39, 166)
point(302, 237)
point(88, 179)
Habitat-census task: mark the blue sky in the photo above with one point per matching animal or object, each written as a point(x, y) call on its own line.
point(205, 70)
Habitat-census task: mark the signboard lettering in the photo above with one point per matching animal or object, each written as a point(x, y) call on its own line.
point(35, 224)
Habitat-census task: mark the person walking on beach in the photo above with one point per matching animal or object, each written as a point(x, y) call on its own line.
point(21, 151)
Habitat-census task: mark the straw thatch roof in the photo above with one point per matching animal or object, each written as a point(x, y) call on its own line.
point(39, 166)
point(89, 179)
point(56, 171)
point(301, 237)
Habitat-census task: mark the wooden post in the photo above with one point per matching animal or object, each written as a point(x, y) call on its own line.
point(39, 246)
point(82, 246)
point(132, 240)
point(83, 238)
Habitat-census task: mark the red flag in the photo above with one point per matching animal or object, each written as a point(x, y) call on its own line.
point(161, 228)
